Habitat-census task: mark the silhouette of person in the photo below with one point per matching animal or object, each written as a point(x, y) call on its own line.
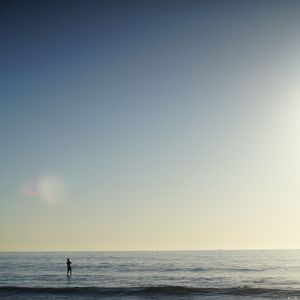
point(69, 267)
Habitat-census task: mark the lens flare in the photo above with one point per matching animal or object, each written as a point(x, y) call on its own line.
point(50, 189)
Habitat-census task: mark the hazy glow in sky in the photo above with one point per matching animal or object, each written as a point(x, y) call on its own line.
point(169, 124)
point(50, 189)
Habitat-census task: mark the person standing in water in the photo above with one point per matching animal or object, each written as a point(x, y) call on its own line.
point(69, 267)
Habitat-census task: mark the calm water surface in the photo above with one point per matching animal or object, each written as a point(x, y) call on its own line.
point(257, 274)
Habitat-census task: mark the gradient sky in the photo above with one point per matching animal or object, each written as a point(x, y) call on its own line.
point(149, 125)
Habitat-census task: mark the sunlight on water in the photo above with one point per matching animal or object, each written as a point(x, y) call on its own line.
point(182, 275)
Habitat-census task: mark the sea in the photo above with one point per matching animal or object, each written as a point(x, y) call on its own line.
point(222, 274)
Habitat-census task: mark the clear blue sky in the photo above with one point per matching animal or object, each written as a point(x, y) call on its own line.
point(136, 125)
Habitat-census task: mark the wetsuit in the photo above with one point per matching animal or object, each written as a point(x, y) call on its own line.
point(69, 265)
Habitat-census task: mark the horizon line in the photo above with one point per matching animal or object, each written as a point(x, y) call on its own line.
point(162, 250)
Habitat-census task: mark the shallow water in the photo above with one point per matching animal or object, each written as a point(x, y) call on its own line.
point(152, 275)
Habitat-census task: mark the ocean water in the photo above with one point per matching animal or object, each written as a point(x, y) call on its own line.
point(260, 274)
